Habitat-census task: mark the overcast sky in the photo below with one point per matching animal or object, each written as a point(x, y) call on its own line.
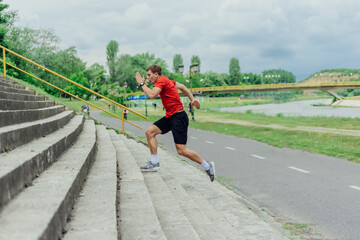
point(301, 36)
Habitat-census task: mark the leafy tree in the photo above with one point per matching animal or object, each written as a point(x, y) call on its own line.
point(66, 62)
point(6, 20)
point(274, 76)
point(125, 72)
point(36, 45)
point(234, 71)
point(96, 76)
point(215, 79)
point(177, 60)
point(80, 79)
point(112, 50)
point(127, 66)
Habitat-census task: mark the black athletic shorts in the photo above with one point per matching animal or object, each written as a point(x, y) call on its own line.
point(177, 123)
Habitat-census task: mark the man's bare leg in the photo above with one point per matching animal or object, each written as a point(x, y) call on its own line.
point(151, 133)
point(194, 156)
point(191, 154)
point(154, 164)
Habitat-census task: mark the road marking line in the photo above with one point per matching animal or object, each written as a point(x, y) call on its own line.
point(355, 187)
point(256, 156)
point(209, 142)
point(193, 137)
point(233, 149)
point(298, 169)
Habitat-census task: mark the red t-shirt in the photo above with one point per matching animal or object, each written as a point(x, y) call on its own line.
point(169, 95)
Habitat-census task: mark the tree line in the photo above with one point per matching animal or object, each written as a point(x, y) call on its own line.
point(43, 47)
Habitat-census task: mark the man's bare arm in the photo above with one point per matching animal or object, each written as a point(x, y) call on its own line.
point(186, 91)
point(151, 93)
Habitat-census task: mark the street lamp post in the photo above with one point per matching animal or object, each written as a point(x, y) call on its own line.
point(194, 67)
point(246, 78)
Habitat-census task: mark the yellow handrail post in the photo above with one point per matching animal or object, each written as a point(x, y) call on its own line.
point(4, 58)
point(122, 118)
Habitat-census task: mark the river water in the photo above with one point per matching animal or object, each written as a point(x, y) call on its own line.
point(299, 108)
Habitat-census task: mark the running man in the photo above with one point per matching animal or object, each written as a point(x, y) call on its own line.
point(175, 120)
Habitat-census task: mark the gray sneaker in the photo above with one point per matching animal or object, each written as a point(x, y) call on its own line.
point(150, 167)
point(211, 171)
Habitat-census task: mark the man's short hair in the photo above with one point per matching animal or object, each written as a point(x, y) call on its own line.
point(154, 69)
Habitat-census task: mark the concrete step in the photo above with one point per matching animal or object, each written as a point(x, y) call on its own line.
point(223, 201)
point(20, 166)
point(12, 117)
point(16, 135)
point(9, 104)
point(7, 83)
point(16, 90)
point(137, 216)
point(173, 220)
point(21, 97)
point(198, 219)
point(40, 211)
point(208, 222)
point(95, 215)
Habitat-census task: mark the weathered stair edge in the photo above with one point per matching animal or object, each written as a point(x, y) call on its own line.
point(17, 90)
point(6, 83)
point(16, 135)
point(137, 216)
point(94, 215)
point(12, 117)
point(20, 96)
point(9, 104)
point(41, 211)
point(21, 166)
point(173, 220)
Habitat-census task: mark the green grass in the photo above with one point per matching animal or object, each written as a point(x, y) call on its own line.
point(341, 146)
point(279, 119)
point(223, 179)
point(296, 228)
point(215, 103)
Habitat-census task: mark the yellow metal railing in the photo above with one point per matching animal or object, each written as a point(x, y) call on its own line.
point(3, 60)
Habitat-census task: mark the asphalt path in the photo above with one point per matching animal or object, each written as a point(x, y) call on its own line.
point(293, 186)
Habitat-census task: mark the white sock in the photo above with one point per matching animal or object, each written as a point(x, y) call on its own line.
point(154, 159)
point(205, 165)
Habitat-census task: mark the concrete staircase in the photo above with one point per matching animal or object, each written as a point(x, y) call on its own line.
point(62, 176)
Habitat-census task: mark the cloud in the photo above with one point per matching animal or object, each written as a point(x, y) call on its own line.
point(298, 36)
